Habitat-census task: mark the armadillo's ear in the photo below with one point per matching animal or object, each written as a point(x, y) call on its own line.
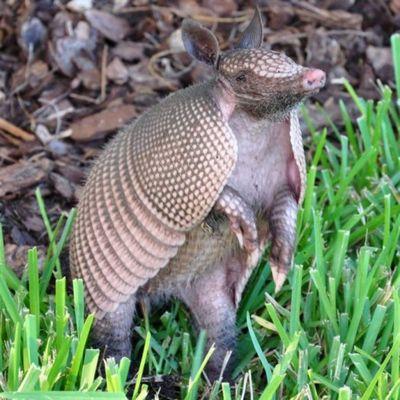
point(252, 37)
point(200, 42)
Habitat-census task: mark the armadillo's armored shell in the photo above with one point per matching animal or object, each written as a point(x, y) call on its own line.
point(183, 154)
point(155, 181)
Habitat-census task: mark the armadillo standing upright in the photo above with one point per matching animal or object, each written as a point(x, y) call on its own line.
point(182, 202)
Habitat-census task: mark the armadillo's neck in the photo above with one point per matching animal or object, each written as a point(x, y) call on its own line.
point(266, 111)
point(223, 96)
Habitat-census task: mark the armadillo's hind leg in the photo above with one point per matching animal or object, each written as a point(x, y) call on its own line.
point(113, 332)
point(212, 306)
point(242, 222)
point(282, 224)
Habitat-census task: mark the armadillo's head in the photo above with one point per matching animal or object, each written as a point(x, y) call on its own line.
point(260, 80)
point(267, 80)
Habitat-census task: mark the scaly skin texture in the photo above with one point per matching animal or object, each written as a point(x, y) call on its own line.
point(183, 201)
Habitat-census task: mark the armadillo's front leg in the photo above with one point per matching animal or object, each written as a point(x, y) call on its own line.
point(113, 331)
point(242, 222)
point(282, 223)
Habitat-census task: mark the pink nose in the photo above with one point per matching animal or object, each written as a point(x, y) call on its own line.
point(314, 79)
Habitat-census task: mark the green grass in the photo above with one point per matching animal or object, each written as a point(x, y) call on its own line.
point(332, 332)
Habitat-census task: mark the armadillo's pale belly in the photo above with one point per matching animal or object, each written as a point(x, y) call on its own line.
point(209, 246)
point(205, 248)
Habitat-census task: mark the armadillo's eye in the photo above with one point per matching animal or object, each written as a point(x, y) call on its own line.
point(241, 78)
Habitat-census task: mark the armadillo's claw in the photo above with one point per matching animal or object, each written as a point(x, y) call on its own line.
point(240, 239)
point(253, 257)
point(279, 275)
point(249, 245)
point(238, 232)
point(279, 279)
point(281, 260)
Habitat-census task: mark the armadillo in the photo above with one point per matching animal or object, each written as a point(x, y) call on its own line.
point(183, 201)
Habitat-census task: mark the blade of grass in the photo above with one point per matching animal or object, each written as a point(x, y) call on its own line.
point(79, 305)
point(226, 391)
point(196, 366)
point(15, 360)
point(141, 366)
point(194, 383)
point(30, 380)
point(89, 368)
point(33, 271)
point(50, 233)
point(395, 42)
point(257, 347)
point(77, 359)
point(48, 270)
point(31, 353)
point(59, 363)
point(61, 316)
point(367, 394)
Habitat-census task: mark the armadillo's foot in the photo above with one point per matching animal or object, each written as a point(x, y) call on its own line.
point(282, 223)
point(242, 222)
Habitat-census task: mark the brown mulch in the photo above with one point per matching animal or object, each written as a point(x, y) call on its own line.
point(73, 72)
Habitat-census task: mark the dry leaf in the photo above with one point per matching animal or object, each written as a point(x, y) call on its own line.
point(112, 27)
point(80, 5)
point(62, 186)
point(117, 72)
point(96, 126)
point(22, 175)
point(129, 51)
point(221, 7)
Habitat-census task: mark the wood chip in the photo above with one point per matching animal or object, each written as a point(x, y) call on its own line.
point(110, 26)
point(80, 5)
point(329, 18)
point(15, 131)
point(221, 7)
point(97, 126)
point(117, 72)
point(31, 75)
point(62, 186)
point(381, 60)
point(129, 51)
point(73, 173)
point(24, 174)
point(91, 79)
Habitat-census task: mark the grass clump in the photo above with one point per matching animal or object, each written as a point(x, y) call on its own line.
point(332, 332)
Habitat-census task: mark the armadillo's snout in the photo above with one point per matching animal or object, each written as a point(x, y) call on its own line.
point(314, 79)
